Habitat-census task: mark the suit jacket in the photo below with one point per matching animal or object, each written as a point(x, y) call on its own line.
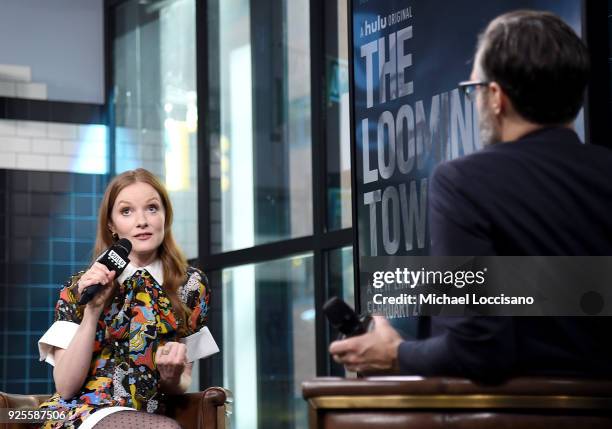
point(544, 194)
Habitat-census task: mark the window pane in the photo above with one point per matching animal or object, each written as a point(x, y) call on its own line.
point(340, 274)
point(155, 102)
point(269, 341)
point(337, 117)
point(260, 122)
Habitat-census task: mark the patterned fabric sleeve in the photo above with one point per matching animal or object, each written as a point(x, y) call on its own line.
point(195, 293)
point(67, 307)
point(68, 316)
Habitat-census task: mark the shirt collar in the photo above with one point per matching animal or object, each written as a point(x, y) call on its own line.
point(156, 269)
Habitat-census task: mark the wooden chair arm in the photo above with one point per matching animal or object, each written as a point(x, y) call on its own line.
point(209, 409)
point(8, 400)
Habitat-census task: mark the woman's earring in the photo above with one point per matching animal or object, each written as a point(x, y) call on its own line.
point(115, 236)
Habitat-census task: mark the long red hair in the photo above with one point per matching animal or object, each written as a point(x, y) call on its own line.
point(172, 258)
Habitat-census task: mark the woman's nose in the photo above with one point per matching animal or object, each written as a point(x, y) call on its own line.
point(141, 220)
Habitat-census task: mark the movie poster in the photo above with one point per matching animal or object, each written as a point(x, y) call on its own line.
point(408, 114)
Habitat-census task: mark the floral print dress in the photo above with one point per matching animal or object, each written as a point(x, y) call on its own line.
point(138, 320)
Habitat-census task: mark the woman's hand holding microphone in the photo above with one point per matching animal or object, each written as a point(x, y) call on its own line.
point(97, 274)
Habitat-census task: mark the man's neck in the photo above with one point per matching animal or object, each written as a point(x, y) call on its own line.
point(515, 130)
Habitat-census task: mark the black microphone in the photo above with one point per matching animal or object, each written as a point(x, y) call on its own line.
point(115, 258)
point(344, 319)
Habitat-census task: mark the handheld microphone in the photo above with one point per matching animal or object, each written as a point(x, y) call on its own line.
point(115, 258)
point(344, 319)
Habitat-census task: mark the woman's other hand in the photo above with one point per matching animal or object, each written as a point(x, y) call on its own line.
point(171, 359)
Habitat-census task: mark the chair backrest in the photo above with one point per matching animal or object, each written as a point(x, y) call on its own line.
point(445, 403)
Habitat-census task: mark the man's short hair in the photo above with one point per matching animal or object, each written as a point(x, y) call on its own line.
point(540, 63)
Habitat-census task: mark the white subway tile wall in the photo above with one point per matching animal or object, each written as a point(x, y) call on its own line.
point(16, 81)
point(60, 163)
point(62, 131)
point(71, 147)
point(33, 91)
point(43, 146)
point(8, 89)
point(14, 144)
point(26, 161)
point(48, 146)
point(8, 160)
point(8, 128)
point(31, 129)
point(11, 72)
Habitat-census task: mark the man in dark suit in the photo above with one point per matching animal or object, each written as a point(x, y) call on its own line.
point(534, 189)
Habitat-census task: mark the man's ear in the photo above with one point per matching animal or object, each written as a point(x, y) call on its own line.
point(498, 100)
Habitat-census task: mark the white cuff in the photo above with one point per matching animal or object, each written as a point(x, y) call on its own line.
point(200, 345)
point(60, 334)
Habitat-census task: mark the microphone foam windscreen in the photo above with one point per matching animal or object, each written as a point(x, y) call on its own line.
point(123, 246)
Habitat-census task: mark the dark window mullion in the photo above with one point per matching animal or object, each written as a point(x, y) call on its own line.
point(109, 84)
point(211, 370)
point(319, 182)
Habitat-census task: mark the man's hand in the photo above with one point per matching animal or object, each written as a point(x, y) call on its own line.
point(374, 350)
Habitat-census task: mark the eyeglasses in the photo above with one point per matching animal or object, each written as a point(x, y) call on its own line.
point(469, 87)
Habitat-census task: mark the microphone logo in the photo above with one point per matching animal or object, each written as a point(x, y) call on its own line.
point(117, 260)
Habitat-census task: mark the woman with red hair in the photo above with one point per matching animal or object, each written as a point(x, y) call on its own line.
point(126, 348)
